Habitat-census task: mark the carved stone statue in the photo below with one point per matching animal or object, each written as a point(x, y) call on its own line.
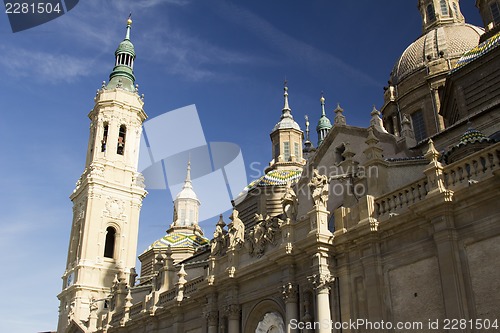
point(319, 189)
point(219, 240)
point(71, 312)
point(236, 230)
point(289, 203)
point(263, 233)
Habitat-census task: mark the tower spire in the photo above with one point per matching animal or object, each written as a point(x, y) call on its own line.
point(122, 75)
point(324, 124)
point(129, 26)
point(286, 137)
point(322, 100)
point(306, 117)
point(286, 106)
point(187, 182)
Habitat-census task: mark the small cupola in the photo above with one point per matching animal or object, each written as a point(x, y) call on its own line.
point(324, 124)
point(122, 75)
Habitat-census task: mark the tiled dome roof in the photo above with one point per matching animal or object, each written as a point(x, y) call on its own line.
point(472, 135)
point(472, 140)
point(451, 40)
point(125, 46)
point(286, 123)
point(275, 178)
point(180, 239)
point(479, 50)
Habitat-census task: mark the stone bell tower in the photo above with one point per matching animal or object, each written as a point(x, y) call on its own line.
point(286, 138)
point(107, 199)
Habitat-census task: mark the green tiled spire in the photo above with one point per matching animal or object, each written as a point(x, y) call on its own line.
point(324, 124)
point(122, 75)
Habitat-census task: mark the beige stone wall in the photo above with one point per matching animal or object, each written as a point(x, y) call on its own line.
point(415, 292)
point(482, 260)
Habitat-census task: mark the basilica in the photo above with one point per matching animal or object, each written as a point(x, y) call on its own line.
point(391, 228)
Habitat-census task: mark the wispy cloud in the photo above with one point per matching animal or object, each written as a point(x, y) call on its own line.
point(290, 47)
point(192, 58)
point(154, 3)
point(49, 67)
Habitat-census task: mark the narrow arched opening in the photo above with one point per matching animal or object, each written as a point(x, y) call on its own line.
point(121, 140)
point(109, 245)
point(431, 14)
point(104, 137)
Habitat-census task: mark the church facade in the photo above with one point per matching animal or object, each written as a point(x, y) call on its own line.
point(391, 228)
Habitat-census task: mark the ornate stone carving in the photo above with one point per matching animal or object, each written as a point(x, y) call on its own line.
point(319, 189)
point(321, 282)
point(114, 208)
point(289, 203)
point(212, 317)
point(289, 292)
point(96, 170)
point(233, 311)
point(236, 230)
point(263, 233)
point(272, 322)
point(138, 180)
point(71, 311)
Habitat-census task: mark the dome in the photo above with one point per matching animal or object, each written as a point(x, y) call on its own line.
point(180, 239)
point(286, 123)
point(450, 40)
point(324, 122)
point(125, 46)
point(187, 193)
point(276, 178)
point(470, 142)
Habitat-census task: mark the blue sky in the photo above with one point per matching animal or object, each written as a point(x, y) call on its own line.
point(230, 58)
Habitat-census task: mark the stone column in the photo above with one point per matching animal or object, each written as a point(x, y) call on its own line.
point(233, 316)
point(212, 320)
point(211, 312)
point(437, 107)
point(321, 283)
point(289, 292)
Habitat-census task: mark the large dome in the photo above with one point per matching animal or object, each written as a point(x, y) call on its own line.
point(452, 40)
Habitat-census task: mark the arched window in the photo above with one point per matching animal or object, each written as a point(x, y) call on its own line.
point(104, 137)
point(431, 14)
point(495, 12)
point(444, 8)
point(109, 245)
point(286, 150)
point(417, 119)
point(297, 151)
point(455, 9)
point(121, 140)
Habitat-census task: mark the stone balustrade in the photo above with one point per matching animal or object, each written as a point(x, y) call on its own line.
point(401, 198)
point(167, 296)
point(466, 172)
point(135, 310)
point(116, 318)
point(192, 285)
point(473, 168)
